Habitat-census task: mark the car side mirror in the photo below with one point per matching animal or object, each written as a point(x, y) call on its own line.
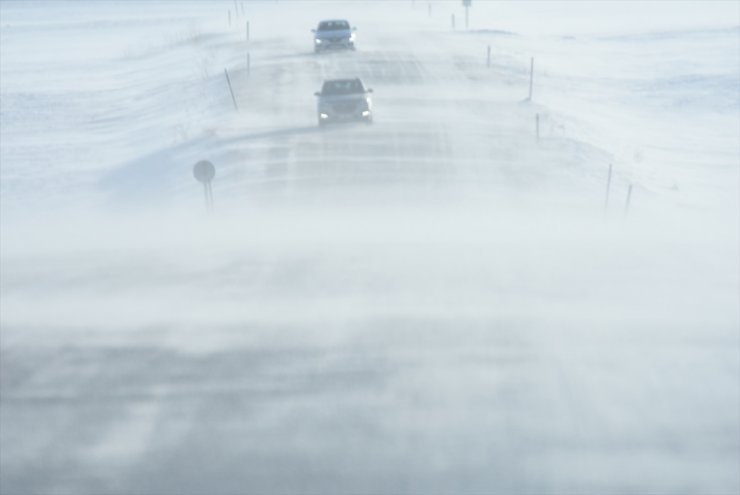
point(354, 28)
point(318, 93)
point(369, 90)
point(313, 30)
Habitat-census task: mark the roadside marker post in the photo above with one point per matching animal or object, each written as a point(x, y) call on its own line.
point(629, 197)
point(531, 77)
point(231, 90)
point(608, 187)
point(488, 57)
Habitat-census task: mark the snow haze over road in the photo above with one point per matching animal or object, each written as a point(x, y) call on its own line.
point(439, 302)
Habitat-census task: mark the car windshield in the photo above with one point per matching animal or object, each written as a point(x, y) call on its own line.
point(342, 87)
point(333, 25)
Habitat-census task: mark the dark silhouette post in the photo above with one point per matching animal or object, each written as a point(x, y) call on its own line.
point(231, 90)
point(627, 204)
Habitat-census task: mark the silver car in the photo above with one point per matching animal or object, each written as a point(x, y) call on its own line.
point(332, 35)
point(343, 100)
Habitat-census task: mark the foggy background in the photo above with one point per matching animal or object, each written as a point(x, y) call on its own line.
point(437, 303)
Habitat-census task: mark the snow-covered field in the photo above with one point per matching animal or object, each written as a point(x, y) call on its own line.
point(437, 303)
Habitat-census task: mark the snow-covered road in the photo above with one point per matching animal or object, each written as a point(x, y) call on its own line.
point(437, 303)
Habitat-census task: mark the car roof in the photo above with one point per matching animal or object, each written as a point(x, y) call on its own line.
point(334, 21)
point(343, 79)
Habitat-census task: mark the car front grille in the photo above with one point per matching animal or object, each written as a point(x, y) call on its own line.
point(345, 107)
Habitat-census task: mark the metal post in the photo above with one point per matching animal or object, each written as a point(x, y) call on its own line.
point(466, 16)
point(488, 57)
point(249, 64)
point(247, 30)
point(231, 90)
point(207, 195)
point(627, 204)
point(453, 21)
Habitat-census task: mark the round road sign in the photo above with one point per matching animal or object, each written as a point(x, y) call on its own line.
point(204, 171)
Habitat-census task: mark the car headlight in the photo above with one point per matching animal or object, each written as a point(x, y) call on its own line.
point(318, 42)
point(352, 37)
point(365, 113)
point(323, 116)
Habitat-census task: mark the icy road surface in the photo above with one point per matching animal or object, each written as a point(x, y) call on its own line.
point(437, 303)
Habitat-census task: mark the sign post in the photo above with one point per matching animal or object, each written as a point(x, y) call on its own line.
point(204, 172)
point(467, 4)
